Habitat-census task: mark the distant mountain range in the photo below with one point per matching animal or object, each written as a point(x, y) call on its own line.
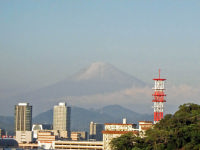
point(98, 79)
point(81, 118)
point(7, 123)
point(99, 85)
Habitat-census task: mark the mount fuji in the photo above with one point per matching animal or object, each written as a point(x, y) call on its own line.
point(96, 79)
point(82, 88)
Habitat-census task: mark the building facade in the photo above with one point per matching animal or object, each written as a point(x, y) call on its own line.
point(79, 136)
point(61, 118)
point(23, 117)
point(144, 126)
point(79, 145)
point(24, 136)
point(39, 127)
point(114, 130)
point(23, 123)
point(96, 131)
point(46, 139)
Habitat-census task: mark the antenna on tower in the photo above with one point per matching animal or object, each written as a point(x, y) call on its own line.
point(159, 73)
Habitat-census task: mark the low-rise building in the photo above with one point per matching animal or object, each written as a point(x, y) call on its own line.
point(39, 127)
point(75, 136)
point(79, 145)
point(144, 126)
point(114, 130)
point(79, 135)
point(46, 139)
point(24, 136)
point(28, 145)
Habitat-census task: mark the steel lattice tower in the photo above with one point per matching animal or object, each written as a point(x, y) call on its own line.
point(158, 100)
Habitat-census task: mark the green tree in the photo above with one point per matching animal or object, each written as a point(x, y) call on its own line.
point(178, 131)
point(124, 142)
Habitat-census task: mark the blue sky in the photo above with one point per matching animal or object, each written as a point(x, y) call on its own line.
point(42, 42)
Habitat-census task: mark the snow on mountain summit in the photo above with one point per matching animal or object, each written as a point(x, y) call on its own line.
point(96, 70)
point(104, 72)
point(99, 78)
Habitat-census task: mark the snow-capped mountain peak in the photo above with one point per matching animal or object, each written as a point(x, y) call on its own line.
point(96, 70)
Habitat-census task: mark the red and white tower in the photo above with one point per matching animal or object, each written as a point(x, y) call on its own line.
point(158, 100)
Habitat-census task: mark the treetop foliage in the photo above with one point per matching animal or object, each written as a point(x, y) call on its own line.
point(178, 131)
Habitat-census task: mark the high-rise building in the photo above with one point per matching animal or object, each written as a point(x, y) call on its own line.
point(23, 122)
point(23, 117)
point(96, 131)
point(61, 118)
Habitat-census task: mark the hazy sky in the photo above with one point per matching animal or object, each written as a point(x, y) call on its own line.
point(42, 42)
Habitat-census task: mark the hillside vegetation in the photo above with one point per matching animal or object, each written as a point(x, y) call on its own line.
point(180, 131)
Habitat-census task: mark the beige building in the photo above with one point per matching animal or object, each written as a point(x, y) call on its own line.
point(79, 135)
point(96, 131)
point(46, 139)
point(23, 117)
point(143, 126)
point(23, 122)
point(75, 136)
point(61, 119)
point(79, 145)
point(28, 145)
point(24, 136)
point(114, 130)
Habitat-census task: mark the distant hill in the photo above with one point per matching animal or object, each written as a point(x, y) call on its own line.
point(7, 123)
point(81, 118)
point(118, 112)
point(96, 80)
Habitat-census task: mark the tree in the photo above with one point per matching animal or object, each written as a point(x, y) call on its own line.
point(178, 131)
point(124, 142)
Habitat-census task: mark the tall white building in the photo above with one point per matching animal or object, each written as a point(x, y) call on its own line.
point(61, 118)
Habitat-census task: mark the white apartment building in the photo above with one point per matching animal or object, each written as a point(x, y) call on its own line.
point(114, 130)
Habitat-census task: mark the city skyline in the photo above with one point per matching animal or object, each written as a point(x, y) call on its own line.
point(45, 42)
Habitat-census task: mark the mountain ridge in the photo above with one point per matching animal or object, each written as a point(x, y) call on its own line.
point(100, 76)
point(96, 80)
point(80, 117)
